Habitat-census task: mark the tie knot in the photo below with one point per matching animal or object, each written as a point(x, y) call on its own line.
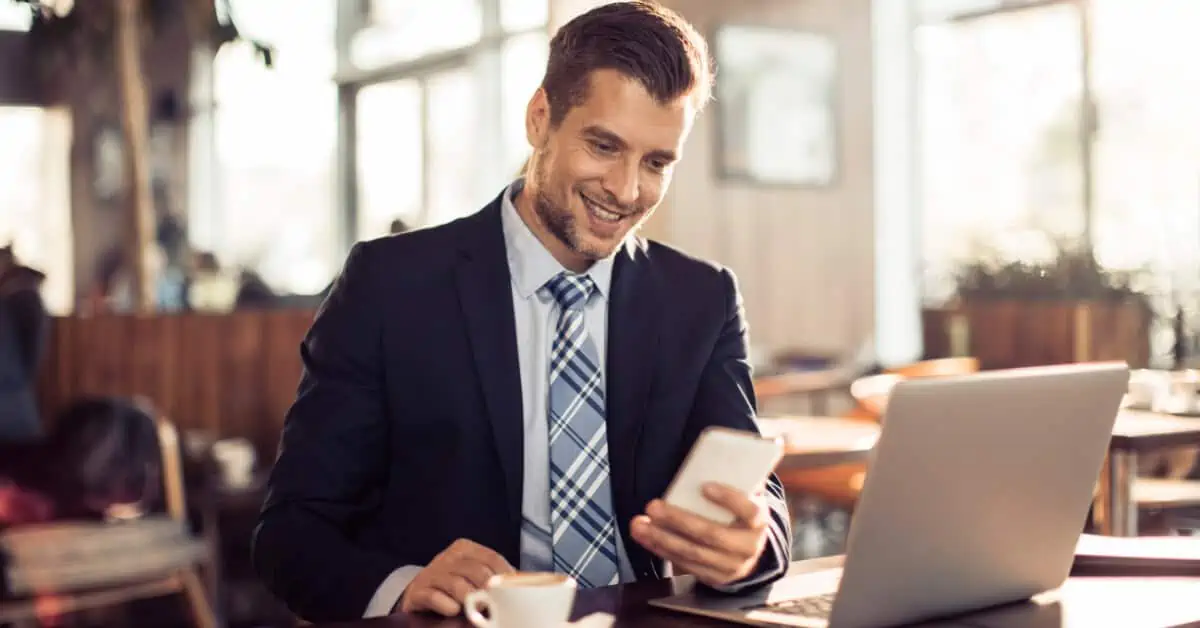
point(571, 291)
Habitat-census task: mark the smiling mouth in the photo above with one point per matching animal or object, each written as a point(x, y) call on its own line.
point(598, 211)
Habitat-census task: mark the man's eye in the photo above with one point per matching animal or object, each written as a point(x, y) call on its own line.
point(604, 147)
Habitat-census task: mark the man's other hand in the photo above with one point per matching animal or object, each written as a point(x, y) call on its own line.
point(443, 585)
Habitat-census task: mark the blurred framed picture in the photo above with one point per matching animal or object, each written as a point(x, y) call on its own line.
point(776, 94)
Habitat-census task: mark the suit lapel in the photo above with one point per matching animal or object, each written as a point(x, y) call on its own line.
point(486, 296)
point(632, 346)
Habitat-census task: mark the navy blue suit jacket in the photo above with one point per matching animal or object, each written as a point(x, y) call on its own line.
point(406, 433)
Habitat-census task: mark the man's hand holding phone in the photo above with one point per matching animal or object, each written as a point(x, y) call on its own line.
point(716, 554)
point(712, 522)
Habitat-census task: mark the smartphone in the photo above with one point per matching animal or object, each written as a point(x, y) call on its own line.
point(740, 459)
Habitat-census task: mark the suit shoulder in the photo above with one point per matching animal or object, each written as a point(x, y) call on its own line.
point(426, 244)
point(676, 262)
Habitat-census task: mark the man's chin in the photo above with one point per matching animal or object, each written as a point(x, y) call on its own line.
point(597, 250)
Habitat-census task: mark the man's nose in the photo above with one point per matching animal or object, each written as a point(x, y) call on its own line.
point(623, 185)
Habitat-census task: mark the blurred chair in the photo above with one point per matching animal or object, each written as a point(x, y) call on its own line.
point(871, 392)
point(815, 385)
point(939, 367)
point(79, 566)
point(1167, 505)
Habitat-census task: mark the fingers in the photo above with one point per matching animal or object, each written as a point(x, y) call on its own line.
point(432, 600)
point(738, 542)
point(492, 560)
point(457, 586)
point(440, 592)
point(487, 556)
point(443, 586)
point(699, 560)
point(751, 513)
point(475, 572)
point(713, 553)
point(706, 574)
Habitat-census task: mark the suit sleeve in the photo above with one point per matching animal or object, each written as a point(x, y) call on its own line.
point(332, 461)
point(726, 398)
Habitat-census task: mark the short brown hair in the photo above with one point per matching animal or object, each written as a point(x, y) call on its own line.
point(638, 38)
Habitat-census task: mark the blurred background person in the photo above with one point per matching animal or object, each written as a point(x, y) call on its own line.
point(23, 320)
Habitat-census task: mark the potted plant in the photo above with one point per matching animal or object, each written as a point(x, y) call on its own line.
point(1067, 308)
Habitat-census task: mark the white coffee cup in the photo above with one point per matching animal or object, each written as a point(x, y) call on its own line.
point(522, 600)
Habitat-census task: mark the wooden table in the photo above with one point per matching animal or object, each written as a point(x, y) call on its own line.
point(628, 603)
point(1136, 432)
point(815, 385)
point(816, 441)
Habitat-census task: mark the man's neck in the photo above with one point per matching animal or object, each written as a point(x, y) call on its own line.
point(569, 259)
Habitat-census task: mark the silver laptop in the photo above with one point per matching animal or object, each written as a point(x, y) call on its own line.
point(978, 490)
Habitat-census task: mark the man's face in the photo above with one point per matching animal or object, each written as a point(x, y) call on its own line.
point(606, 167)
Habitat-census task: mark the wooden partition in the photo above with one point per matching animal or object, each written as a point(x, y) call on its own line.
point(226, 374)
point(1006, 334)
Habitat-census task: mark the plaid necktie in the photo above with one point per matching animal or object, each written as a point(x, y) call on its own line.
point(581, 509)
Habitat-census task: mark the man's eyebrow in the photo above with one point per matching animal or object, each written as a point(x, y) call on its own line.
point(604, 134)
point(666, 155)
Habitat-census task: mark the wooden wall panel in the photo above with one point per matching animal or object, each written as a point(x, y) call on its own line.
point(1008, 334)
point(804, 256)
point(226, 375)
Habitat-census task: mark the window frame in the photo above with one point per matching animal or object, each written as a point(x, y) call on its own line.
point(483, 57)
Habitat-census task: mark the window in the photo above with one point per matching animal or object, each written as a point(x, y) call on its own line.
point(390, 156)
point(1147, 152)
point(522, 63)
point(35, 210)
point(454, 128)
point(440, 119)
point(999, 131)
point(1006, 158)
point(275, 129)
point(519, 15)
point(15, 16)
point(402, 30)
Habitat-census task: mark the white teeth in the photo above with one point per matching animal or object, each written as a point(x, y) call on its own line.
point(607, 215)
point(601, 213)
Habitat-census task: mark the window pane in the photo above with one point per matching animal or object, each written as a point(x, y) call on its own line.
point(454, 141)
point(1147, 184)
point(303, 32)
point(999, 136)
point(523, 62)
point(15, 16)
point(389, 156)
point(35, 210)
point(401, 30)
point(276, 134)
point(936, 10)
point(517, 15)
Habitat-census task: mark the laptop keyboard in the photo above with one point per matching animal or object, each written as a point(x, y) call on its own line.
point(816, 607)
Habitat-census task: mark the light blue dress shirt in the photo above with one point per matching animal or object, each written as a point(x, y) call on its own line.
point(531, 266)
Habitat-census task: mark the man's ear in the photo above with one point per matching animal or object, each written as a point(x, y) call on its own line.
point(537, 119)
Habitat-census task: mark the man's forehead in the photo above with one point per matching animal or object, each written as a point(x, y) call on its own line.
point(623, 106)
point(608, 86)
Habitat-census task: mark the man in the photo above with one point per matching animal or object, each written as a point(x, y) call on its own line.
point(516, 389)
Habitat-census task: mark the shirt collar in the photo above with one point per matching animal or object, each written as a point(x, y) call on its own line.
point(529, 262)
